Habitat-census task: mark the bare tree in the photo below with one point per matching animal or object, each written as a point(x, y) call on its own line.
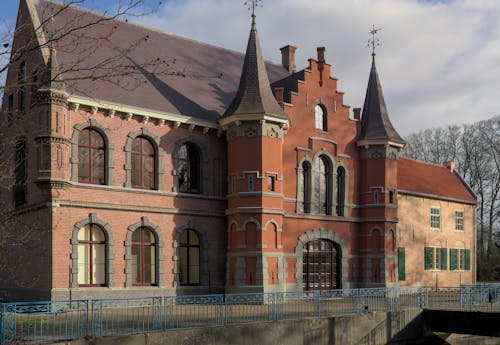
point(475, 148)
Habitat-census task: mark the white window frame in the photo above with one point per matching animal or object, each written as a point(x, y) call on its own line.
point(436, 259)
point(459, 220)
point(435, 218)
point(460, 259)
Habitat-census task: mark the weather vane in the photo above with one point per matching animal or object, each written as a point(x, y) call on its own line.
point(252, 4)
point(374, 42)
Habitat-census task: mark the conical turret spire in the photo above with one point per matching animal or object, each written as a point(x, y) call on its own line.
point(375, 123)
point(51, 77)
point(254, 95)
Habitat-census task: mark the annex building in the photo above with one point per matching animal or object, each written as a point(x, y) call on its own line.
point(144, 163)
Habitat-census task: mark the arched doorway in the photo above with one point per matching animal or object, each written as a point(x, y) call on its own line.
point(321, 265)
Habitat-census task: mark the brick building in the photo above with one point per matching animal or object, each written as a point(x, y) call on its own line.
point(238, 176)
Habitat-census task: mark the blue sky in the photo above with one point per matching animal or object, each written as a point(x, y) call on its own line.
point(439, 62)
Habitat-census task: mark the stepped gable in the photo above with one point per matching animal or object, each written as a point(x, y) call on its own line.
point(171, 73)
point(432, 180)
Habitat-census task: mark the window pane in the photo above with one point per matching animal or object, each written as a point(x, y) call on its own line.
point(148, 236)
point(136, 263)
point(147, 147)
point(84, 233)
point(83, 164)
point(149, 167)
point(193, 238)
point(99, 263)
point(183, 265)
point(83, 264)
point(96, 140)
point(83, 138)
point(98, 166)
point(149, 265)
point(136, 145)
point(183, 238)
point(98, 234)
point(136, 170)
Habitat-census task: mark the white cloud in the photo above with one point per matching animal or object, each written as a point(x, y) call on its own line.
point(438, 62)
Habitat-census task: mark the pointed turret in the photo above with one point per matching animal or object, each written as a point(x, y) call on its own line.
point(376, 127)
point(51, 78)
point(254, 95)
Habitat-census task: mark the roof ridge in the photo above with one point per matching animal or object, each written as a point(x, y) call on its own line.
point(425, 162)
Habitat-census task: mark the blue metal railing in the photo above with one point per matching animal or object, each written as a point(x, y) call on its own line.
point(64, 320)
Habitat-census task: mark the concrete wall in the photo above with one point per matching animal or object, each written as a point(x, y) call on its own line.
point(372, 328)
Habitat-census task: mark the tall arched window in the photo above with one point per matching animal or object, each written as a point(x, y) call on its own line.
point(91, 256)
point(340, 191)
point(321, 266)
point(143, 163)
point(306, 176)
point(323, 185)
point(189, 258)
point(188, 169)
point(91, 157)
point(320, 117)
point(143, 257)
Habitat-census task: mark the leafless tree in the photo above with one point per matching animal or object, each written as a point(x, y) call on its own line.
point(475, 148)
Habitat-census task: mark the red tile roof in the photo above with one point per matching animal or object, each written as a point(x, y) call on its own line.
point(432, 180)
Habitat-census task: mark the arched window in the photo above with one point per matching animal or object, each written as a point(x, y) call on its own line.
point(91, 157)
point(189, 258)
point(306, 176)
point(143, 257)
point(323, 185)
point(340, 191)
point(321, 266)
point(188, 169)
point(91, 256)
point(143, 163)
point(320, 116)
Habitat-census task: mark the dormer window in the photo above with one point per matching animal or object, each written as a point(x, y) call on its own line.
point(320, 116)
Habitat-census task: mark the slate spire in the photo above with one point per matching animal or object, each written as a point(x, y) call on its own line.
point(254, 95)
point(375, 123)
point(51, 77)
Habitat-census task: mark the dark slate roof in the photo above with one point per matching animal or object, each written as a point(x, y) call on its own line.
point(375, 122)
point(290, 84)
point(254, 95)
point(433, 180)
point(125, 63)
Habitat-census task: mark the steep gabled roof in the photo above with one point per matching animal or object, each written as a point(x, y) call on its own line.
point(432, 180)
point(168, 73)
point(254, 95)
point(375, 122)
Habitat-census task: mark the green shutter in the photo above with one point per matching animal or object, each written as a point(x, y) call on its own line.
point(401, 264)
point(467, 259)
point(453, 259)
point(444, 261)
point(427, 258)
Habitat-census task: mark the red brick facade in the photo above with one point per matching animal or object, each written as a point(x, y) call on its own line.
point(280, 203)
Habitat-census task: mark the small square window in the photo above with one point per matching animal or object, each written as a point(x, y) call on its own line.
point(459, 220)
point(435, 218)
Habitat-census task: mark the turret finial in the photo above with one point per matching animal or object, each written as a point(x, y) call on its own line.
point(252, 5)
point(374, 41)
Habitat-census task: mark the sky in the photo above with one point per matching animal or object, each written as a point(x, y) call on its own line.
point(439, 60)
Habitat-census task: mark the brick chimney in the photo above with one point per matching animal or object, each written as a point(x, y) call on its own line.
point(288, 58)
point(450, 165)
point(321, 54)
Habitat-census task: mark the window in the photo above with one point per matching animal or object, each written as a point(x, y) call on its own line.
point(435, 258)
point(143, 163)
point(459, 220)
point(10, 110)
point(20, 172)
point(391, 197)
point(323, 185)
point(270, 183)
point(91, 157)
point(401, 264)
point(320, 116)
point(22, 77)
point(435, 218)
point(340, 191)
point(189, 258)
point(376, 195)
point(91, 256)
point(143, 257)
point(321, 266)
point(188, 169)
point(306, 179)
point(459, 259)
point(250, 184)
